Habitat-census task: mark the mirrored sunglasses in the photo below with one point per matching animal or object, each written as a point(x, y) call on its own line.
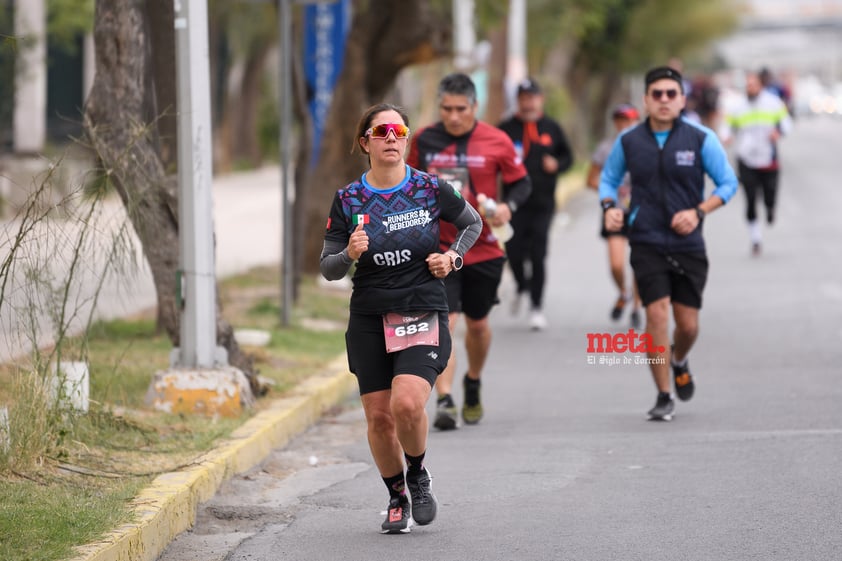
point(671, 94)
point(382, 131)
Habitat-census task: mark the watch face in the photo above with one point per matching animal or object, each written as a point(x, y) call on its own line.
point(457, 263)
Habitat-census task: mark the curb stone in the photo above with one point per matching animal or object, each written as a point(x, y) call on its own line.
point(168, 506)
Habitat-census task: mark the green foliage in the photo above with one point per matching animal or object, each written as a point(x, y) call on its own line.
point(489, 15)
point(625, 34)
point(8, 54)
point(268, 126)
point(660, 29)
point(248, 25)
point(67, 20)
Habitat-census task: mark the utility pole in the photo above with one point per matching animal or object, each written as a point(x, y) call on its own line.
point(516, 67)
point(200, 379)
point(464, 37)
point(330, 20)
point(195, 196)
point(285, 28)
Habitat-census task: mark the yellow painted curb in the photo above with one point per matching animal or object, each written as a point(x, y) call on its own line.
point(169, 505)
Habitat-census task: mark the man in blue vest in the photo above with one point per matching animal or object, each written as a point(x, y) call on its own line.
point(667, 157)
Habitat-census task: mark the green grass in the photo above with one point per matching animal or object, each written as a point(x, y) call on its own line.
point(42, 521)
point(68, 479)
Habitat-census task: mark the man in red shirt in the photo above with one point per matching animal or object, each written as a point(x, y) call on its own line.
point(472, 156)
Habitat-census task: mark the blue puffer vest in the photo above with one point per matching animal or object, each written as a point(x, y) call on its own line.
point(664, 181)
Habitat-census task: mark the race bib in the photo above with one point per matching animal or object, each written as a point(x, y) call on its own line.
point(410, 329)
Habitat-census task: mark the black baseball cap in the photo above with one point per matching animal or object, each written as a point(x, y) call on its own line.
point(528, 86)
point(661, 72)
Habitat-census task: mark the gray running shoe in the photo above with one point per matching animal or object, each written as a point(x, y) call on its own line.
point(663, 410)
point(424, 503)
point(398, 519)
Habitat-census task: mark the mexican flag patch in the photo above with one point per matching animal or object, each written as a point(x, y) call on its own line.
point(361, 219)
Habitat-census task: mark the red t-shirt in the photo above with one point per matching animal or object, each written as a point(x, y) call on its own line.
point(472, 163)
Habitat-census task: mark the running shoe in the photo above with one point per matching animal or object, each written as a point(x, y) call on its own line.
point(537, 321)
point(446, 414)
point(619, 306)
point(424, 503)
point(684, 385)
point(398, 518)
point(472, 408)
point(664, 407)
point(636, 322)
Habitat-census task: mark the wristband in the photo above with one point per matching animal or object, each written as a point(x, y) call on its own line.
point(700, 213)
point(608, 203)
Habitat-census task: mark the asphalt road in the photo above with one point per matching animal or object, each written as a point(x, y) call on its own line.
point(565, 466)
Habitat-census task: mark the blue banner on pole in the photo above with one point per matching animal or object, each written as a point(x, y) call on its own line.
point(326, 27)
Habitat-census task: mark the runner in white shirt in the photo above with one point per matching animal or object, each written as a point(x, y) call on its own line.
point(754, 125)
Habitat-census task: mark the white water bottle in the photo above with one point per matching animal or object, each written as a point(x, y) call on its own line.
point(488, 207)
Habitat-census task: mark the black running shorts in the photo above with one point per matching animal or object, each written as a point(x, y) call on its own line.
point(473, 289)
point(375, 368)
point(681, 276)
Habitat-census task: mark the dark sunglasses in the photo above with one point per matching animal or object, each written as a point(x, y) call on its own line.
point(658, 94)
point(382, 131)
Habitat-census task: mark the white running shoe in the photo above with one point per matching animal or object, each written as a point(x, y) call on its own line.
point(537, 321)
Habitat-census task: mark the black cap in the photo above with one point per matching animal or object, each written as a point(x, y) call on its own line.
point(661, 72)
point(528, 86)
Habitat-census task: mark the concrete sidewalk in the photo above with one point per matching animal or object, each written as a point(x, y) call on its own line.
point(247, 226)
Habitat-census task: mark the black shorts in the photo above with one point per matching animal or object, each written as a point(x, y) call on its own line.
point(473, 289)
point(375, 368)
point(681, 276)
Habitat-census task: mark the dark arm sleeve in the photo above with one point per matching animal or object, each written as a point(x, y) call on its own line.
point(335, 262)
point(517, 192)
point(455, 210)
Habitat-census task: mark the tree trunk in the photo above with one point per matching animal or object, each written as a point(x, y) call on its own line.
point(245, 109)
point(579, 81)
point(125, 139)
point(496, 107)
point(384, 38)
point(301, 108)
point(161, 70)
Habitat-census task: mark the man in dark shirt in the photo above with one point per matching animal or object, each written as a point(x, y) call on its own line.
point(543, 147)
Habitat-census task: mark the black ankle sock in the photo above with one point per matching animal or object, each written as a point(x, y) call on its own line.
point(664, 395)
point(414, 463)
point(471, 391)
point(396, 485)
point(445, 399)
